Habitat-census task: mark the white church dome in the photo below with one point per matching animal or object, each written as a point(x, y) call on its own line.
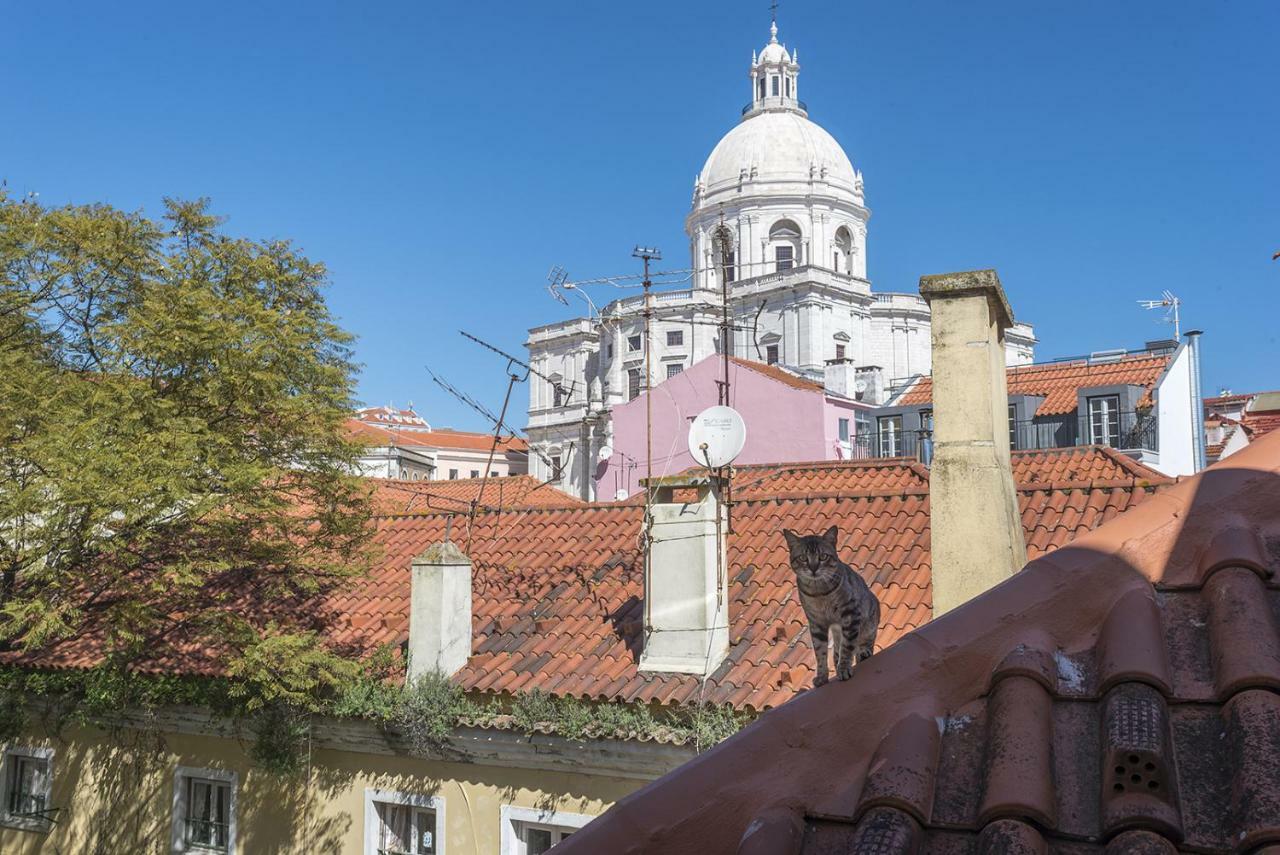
point(777, 145)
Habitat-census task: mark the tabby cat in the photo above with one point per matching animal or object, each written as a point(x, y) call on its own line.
point(835, 600)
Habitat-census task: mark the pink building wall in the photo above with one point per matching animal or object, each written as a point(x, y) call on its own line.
point(785, 424)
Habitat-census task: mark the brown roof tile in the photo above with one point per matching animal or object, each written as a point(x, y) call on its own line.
point(1120, 695)
point(1059, 382)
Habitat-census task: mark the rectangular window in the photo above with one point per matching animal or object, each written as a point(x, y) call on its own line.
point(890, 436)
point(675, 338)
point(204, 811)
point(1013, 426)
point(26, 777)
point(633, 342)
point(761, 87)
point(557, 468)
point(771, 354)
point(1104, 420)
point(475, 473)
point(839, 351)
point(609, 349)
point(926, 420)
point(557, 395)
point(788, 87)
point(775, 84)
point(526, 831)
point(784, 256)
point(731, 267)
point(674, 369)
point(843, 425)
point(402, 823)
point(453, 474)
point(633, 384)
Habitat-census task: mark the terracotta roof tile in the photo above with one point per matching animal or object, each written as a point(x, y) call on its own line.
point(393, 496)
point(377, 435)
point(1121, 695)
point(777, 372)
point(558, 587)
point(1059, 382)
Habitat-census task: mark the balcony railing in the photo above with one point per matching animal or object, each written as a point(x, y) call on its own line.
point(1131, 431)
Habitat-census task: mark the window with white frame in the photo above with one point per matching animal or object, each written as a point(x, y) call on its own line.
point(673, 369)
point(633, 383)
point(675, 338)
point(1104, 420)
point(771, 354)
point(26, 779)
point(528, 831)
point(890, 436)
point(402, 823)
point(204, 811)
point(634, 342)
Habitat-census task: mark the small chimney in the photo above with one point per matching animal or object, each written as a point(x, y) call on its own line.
point(440, 611)
point(686, 592)
point(976, 531)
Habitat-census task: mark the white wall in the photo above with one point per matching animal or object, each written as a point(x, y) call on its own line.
point(1177, 420)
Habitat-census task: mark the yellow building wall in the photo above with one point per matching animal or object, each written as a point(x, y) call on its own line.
point(116, 794)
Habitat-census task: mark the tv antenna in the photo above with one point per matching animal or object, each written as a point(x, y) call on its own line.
point(555, 281)
point(1171, 304)
point(567, 393)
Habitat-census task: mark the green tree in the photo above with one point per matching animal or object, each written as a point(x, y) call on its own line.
point(173, 471)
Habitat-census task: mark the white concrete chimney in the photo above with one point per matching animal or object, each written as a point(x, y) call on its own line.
point(686, 572)
point(975, 529)
point(440, 611)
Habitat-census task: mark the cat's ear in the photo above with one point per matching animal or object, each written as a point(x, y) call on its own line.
point(831, 535)
point(792, 538)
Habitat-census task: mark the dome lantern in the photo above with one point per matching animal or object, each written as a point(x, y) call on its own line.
point(774, 79)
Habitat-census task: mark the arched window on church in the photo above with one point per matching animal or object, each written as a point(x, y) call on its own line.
point(784, 245)
point(842, 252)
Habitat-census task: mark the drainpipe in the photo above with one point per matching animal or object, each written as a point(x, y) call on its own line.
point(1197, 400)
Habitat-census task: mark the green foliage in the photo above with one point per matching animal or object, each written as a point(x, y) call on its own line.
point(429, 710)
point(281, 735)
point(172, 460)
point(13, 715)
point(531, 709)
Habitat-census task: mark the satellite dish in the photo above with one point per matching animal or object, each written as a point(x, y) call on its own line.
point(620, 495)
point(860, 385)
point(605, 453)
point(716, 436)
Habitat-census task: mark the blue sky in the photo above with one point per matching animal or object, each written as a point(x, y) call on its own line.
point(440, 158)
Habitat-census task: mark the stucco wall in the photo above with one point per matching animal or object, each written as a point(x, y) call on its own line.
point(1175, 418)
point(116, 796)
point(784, 424)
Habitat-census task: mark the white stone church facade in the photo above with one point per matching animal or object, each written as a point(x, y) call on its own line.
point(797, 282)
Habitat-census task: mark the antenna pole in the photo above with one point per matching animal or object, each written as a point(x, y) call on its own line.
point(646, 254)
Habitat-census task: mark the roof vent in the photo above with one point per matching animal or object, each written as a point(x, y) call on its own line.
point(1101, 356)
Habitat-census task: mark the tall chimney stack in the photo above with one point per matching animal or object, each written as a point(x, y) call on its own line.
point(976, 531)
point(685, 577)
point(439, 611)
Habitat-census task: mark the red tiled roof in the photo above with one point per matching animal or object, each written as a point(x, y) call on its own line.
point(1260, 424)
point(557, 588)
point(392, 416)
point(1059, 382)
point(376, 435)
point(398, 496)
point(777, 372)
point(1121, 694)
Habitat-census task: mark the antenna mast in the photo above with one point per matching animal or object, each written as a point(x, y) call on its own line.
point(1172, 304)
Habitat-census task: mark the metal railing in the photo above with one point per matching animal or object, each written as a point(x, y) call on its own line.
point(774, 101)
point(1131, 431)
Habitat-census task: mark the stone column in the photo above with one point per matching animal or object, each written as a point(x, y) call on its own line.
point(976, 530)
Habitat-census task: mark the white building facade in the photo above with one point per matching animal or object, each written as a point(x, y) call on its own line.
point(792, 207)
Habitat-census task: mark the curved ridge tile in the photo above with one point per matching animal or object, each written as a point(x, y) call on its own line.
point(1029, 660)
point(1011, 837)
point(1019, 767)
point(1131, 645)
point(1138, 782)
point(1242, 632)
point(775, 832)
point(1140, 842)
point(886, 831)
point(1252, 720)
point(1235, 546)
point(903, 768)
